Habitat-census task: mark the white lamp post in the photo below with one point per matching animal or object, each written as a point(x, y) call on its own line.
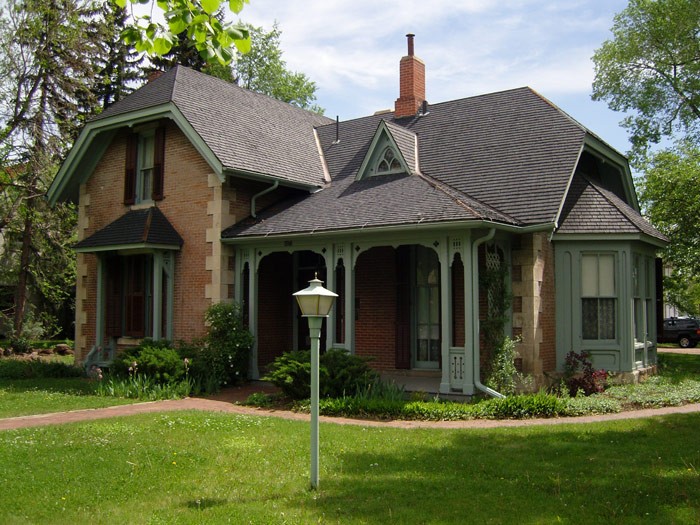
point(315, 302)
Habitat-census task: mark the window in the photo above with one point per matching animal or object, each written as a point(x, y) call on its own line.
point(389, 162)
point(144, 173)
point(143, 179)
point(598, 296)
point(139, 296)
point(427, 315)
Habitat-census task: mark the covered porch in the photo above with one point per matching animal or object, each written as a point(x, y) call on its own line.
point(409, 304)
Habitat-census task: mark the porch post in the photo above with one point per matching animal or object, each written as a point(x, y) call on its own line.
point(330, 260)
point(470, 295)
point(253, 372)
point(157, 295)
point(446, 320)
point(349, 297)
point(100, 302)
point(169, 268)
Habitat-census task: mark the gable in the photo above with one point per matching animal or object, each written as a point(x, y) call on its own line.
point(393, 150)
point(595, 211)
point(240, 132)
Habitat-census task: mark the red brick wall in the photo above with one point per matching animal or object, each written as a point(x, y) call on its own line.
point(187, 192)
point(375, 289)
point(275, 307)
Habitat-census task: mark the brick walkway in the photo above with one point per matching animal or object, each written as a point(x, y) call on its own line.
point(224, 402)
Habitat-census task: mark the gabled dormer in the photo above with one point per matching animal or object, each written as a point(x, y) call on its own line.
point(393, 150)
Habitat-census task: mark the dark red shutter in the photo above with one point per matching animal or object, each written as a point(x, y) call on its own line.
point(113, 297)
point(158, 163)
point(132, 149)
point(135, 296)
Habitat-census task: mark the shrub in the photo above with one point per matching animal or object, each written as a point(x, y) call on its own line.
point(36, 368)
point(579, 375)
point(344, 373)
point(504, 377)
point(20, 345)
point(291, 372)
point(140, 386)
point(522, 406)
point(228, 342)
point(157, 360)
point(340, 374)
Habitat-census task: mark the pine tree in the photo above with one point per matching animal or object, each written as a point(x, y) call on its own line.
point(46, 89)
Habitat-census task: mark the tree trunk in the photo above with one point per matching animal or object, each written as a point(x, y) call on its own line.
point(22, 279)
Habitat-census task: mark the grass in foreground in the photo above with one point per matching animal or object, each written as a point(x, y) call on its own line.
point(214, 468)
point(20, 397)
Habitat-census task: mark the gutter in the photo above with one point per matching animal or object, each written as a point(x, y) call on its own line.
point(476, 354)
point(263, 192)
point(409, 228)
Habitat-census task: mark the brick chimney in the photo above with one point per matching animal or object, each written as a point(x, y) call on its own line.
point(412, 84)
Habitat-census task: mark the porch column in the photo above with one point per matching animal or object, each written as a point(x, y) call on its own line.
point(470, 295)
point(349, 260)
point(330, 261)
point(100, 302)
point(169, 269)
point(253, 371)
point(446, 321)
point(157, 295)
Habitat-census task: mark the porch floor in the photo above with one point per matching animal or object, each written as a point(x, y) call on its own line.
point(423, 381)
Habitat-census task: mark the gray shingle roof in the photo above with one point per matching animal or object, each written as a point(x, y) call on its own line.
point(385, 200)
point(136, 227)
point(246, 131)
point(512, 152)
point(595, 210)
point(406, 140)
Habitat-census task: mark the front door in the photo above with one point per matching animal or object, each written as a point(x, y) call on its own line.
point(426, 351)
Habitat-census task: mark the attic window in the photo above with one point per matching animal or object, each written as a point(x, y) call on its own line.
point(389, 162)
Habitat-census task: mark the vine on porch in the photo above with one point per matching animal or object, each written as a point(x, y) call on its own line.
point(498, 355)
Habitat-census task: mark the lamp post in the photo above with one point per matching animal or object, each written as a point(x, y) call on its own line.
point(315, 302)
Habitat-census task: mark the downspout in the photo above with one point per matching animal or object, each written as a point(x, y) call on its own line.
point(476, 352)
point(263, 192)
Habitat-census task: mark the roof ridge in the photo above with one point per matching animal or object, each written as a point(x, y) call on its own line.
point(455, 194)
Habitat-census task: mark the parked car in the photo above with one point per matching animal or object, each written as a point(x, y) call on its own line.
point(682, 330)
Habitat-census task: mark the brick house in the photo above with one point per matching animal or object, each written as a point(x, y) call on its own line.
point(193, 191)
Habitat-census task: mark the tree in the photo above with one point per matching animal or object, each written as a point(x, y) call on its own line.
point(185, 53)
point(651, 68)
point(46, 76)
point(262, 69)
point(118, 65)
point(670, 196)
point(197, 19)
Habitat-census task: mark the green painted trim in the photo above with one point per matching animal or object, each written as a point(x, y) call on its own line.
point(607, 153)
point(261, 177)
point(78, 166)
point(359, 233)
point(618, 355)
point(127, 247)
point(560, 210)
point(626, 237)
point(382, 131)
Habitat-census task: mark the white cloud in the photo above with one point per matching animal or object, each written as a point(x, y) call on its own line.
point(351, 49)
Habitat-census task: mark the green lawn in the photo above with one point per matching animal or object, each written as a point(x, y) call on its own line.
point(19, 397)
point(216, 468)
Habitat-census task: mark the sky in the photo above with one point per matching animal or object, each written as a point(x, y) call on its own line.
point(351, 49)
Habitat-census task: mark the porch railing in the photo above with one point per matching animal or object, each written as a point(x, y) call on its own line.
point(458, 362)
point(99, 356)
